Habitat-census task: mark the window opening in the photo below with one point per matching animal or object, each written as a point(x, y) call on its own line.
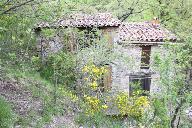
point(139, 83)
point(145, 57)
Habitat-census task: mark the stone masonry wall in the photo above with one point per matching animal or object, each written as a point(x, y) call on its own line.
point(47, 45)
point(129, 62)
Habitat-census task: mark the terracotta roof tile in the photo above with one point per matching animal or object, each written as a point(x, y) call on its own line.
point(84, 20)
point(144, 31)
point(136, 31)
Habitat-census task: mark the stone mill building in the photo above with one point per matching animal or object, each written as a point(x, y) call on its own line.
point(139, 41)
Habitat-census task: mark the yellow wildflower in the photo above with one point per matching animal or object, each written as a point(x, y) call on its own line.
point(94, 85)
point(142, 101)
point(85, 69)
point(104, 106)
point(95, 70)
point(88, 98)
point(86, 79)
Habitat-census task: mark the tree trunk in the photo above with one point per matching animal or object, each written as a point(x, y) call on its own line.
point(174, 119)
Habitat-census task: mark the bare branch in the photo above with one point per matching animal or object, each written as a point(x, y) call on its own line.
point(131, 10)
point(16, 6)
point(126, 15)
point(5, 3)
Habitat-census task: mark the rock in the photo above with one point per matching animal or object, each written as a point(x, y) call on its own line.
point(189, 113)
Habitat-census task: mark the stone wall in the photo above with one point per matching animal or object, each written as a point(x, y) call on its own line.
point(49, 44)
point(128, 57)
point(128, 63)
point(68, 39)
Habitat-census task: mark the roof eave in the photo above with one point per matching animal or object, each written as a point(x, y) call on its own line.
point(146, 43)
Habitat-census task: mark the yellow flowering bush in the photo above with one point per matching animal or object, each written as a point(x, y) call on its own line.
point(94, 70)
point(92, 78)
point(85, 69)
point(93, 75)
point(132, 106)
point(92, 104)
point(104, 106)
point(142, 101)
point(94, 85)
point(122, 101)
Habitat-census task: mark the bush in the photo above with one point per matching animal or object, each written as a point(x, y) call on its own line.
point(6, 114)
point(161, 113)
point(61, 66)
point(100, 120)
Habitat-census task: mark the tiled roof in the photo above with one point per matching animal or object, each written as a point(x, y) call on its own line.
point(144, 32)
point(84, 20)
point(136, 31)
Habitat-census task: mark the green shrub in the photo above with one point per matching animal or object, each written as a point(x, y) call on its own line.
point(100, 120)
point(6, 114)
point(161, 113)
point(62, 66)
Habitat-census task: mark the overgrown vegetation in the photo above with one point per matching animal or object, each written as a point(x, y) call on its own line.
point(73, 83)
point(6, 114)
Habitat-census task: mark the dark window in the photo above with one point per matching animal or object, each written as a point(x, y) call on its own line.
point(145, 57)
point(139, 83)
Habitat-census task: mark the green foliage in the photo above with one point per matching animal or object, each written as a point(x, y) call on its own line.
point(62, 65)
point(100, 120)
point(43, 90)
point(160, 113)
point(36, 62)
point(6, 114)
point(175, 83)
point(48, 32)
point(18, 47)
point(99, 54)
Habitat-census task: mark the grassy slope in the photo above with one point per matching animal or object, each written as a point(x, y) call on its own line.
point(40, 89)
point(6, 114)
point(61, 112)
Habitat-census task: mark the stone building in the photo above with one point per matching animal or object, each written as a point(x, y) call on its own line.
point(100, 21)
point(138, 41)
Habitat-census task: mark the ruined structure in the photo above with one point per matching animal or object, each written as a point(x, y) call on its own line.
point(101, 21)
point(139, 41)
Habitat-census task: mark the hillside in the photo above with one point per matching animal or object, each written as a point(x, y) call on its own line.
point(95, 64)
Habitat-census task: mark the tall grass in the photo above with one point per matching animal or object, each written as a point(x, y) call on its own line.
point(6, 114)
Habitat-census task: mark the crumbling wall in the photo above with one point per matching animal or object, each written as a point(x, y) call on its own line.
point(129, 62)
point(68, 39)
